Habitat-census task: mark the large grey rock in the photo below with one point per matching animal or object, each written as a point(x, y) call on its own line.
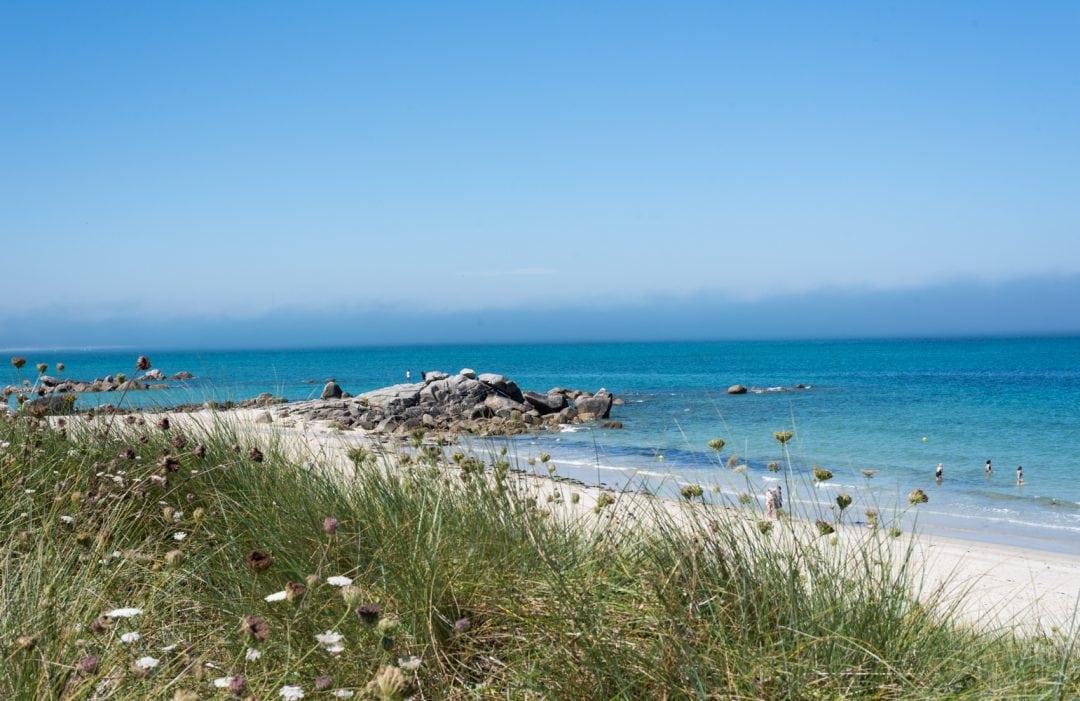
point(736, 389)
point(47, 381)
point(467, 372)
point(595, 407)
point(331, 391)
point(182, 375)
point(433, 375)
point(52, 405)
point(503, 385)
point(154, 375)
point(503, 406)
point(394, 397)
point(545, 403)
point(130, 386)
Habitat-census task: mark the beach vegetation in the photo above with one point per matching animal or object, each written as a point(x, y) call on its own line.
point(393, 580)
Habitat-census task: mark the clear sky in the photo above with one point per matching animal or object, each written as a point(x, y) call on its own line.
point(252, 159)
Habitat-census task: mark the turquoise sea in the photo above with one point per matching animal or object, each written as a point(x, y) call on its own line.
point(869, 406)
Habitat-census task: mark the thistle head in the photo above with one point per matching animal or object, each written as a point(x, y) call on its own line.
point(782, 436)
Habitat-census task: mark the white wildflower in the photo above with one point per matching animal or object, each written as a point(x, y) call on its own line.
point(334, 649)
point(343, 693)
point(5, 444)
point(291, 693)
point(223, 682)
point(252, 654)
point(410, 663)
point(276, 596)
point(146, 663)
point(329, 638)
point(179, 535)
point(338, 581)
point(67, 519)
point(72, 453)
point(168, 648)
point(132, 637)
point(123, 613)
point(29, 491)
point(177, 515)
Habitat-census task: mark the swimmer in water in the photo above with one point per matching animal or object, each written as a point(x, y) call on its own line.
point(938, 472)
point(1019, 474)
point(988, 468)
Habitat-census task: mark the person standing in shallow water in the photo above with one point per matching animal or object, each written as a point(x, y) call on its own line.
point(988, 468)
point(1019, 474)
point(937, 473)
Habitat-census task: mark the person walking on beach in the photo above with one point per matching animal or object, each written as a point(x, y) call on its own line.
point(937, 473)
point(988, 468)
point(770, 503)
point(1019, 474)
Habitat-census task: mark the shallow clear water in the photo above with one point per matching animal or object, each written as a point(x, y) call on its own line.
point(869, 405)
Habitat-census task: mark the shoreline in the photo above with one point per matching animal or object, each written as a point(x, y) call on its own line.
point(991, 585)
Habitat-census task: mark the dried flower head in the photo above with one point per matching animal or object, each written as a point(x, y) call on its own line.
point(717, 444)
point(100, 625)
point(294, 591)
point(782, 436)
point(174, 557)
point(255, 455)
point(18, 362)
point(238, 685)
point(258, 560)
point(462, 625)
point(256, 627)
point(843, 501)
point(824, 527)
point(179, 441)
point(330, 525)
point(143, 363)
point(323, 682)
point(389, 684)
point(169, 463)
point(42, 368)
point(199, 451)
point(821, 474)
point(88, 664)
point(60, 367)
point(163, 423)
point(369, 613)
point(917, 496)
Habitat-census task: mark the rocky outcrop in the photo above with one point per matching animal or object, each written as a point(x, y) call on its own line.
point(47, 385)
point(591, 408)
point(737, 389)
point(331, 391)
point(462, 403)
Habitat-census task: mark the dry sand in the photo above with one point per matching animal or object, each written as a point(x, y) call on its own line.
point(991, 585)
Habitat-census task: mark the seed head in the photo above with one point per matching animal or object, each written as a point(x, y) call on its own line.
point(330, 525)
point(258, 560)
point(200, 451)
point(18, 362)
point(143, 363)
point(88, 664)
point(255, 455)
point(238, 685)
point(179, 441)
point(60, 367)
point(174, 557)
point(163, 423)
point(462, 625)
point(256, 627)
point(323, 682)
point(369, 613)
point(389, 684)
point(294, 591)
point(42, 368)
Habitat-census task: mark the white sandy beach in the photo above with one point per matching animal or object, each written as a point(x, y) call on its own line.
point(991, 585)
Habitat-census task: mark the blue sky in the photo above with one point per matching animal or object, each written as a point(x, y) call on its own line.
point(211, 161)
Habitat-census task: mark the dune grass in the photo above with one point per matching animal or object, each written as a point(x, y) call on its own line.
point(464, 585)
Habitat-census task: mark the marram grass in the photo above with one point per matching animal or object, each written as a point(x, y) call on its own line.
point(134, 569)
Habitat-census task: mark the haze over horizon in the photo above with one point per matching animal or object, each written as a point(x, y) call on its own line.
point(258, 173)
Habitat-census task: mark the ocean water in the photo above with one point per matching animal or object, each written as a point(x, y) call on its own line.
point(869, 406)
